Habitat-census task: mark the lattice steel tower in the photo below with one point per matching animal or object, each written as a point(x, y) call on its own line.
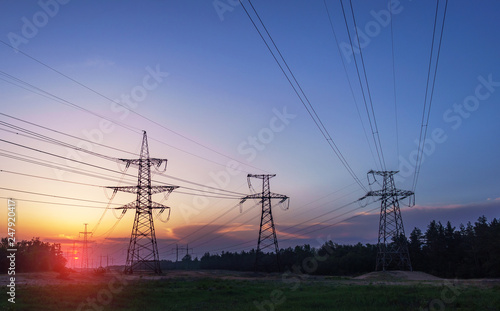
point(392, 245)
point(267, 231)
point(142, 251)
point(84, 264)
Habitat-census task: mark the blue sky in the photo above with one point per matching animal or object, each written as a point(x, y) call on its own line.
point(217, 84)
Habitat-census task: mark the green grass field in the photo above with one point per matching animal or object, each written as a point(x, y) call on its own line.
point(217, 294)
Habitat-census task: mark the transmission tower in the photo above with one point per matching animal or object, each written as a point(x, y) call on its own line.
point(392, 245)
point(177, 248)
point(73, 254)
point(267, 231)
point(85, 249)
point(142, 251)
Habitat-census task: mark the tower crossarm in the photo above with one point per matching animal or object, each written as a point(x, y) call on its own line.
point(160, 189)
point(383, 173)
point(133, 205)
point(153, 161)
point(162, 207)
point(400, 194)
point(259, 196)
point(261, 176)
point(154, 189)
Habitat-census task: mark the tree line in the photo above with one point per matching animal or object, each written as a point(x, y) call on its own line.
point(469, 251)
point(32, 256)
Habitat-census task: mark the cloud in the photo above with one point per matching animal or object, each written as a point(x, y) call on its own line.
point(67, 237)
point(235, 228)
point(93, 62)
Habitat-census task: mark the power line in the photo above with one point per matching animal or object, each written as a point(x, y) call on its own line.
point(303, 99)
point(113, 159)
point(424, 126)
point(334, 224)
point(324, 214)
point(221, 226)
point(231, 230)
point(378, 146)
point(231, 220)
point(32, 88)
point(54, 203)
point(314, 230)
point(348, 79)
point(394, 80)
point(52, 179)
point(92, 185)
point(296, 225)
point(65, 102)
point(55, 155)
point(53, 165)
point(329, 202)
point(53, 196)
point(58, 142)
point(126, 107)
point(209, 223)
point(212, 231)
point(43, 138)
point(68, 135)
point(201, 185)
point(367, 84)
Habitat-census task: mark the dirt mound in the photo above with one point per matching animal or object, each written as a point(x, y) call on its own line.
point(398, 275)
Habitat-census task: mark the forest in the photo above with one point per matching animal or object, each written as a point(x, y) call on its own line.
point(469, 251)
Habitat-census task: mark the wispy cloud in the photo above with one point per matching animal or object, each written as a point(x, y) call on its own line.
point(92, 62)
point(98, 62)
point(67, 237)
point(236, 228)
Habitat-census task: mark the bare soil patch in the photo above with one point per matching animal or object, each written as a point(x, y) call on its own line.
point(398, 275)
point(372, 278)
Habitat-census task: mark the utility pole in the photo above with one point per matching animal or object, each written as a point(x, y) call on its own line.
point(267, 231)
point(85, 250)
point(392, 245)
point(177, 248)
point(143, 250)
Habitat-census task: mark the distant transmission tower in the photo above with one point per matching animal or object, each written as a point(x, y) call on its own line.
point(85, 250)
point(142, 251)
point(73, 255)
point(267, 232)
point(392, 245)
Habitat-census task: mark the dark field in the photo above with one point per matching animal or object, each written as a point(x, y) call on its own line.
point(217, 290)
